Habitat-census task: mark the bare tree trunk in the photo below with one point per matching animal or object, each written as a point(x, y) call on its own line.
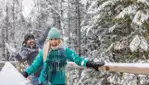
point(61, 17)
point(78, 27)
point(78, 31)
point(3, 43)
point(59, 21)
point(68, 20)
point(6, 33)
point(13, 25)
point(39, 13)
point(61, 14)
point(57, 13)
point(54, 16)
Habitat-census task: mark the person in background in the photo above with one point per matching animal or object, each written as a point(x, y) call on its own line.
point(29, 51)
point(27, 54)
point(54, 57)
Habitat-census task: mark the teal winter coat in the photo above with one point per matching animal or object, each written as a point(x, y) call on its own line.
point(54, 65)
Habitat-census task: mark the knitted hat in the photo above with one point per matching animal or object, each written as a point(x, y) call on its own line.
point(28, 36)
point(54, 33)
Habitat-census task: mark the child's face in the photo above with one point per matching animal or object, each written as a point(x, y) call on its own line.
point(54, 42)
point(31, 42)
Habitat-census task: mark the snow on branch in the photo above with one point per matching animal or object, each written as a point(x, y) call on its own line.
point(111, 29)
point(83, 2)
point(143, 1)
point(138, 42)
point(88, 29)
point(107, 3)
point(127, 11)
point(140, 17)
point(92, 9)
point(94, 3)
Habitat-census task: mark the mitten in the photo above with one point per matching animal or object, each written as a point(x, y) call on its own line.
point(25, 74)
point(95, 65)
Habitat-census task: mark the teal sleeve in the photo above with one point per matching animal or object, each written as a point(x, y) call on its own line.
point(72, 56)
point(36, 64)
point(43, 73)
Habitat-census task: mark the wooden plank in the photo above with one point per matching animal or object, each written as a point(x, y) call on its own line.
point(132, 68)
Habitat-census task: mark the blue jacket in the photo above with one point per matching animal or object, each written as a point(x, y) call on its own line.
point(28, 54)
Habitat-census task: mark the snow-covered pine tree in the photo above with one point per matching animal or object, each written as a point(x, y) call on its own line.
point(117, 31)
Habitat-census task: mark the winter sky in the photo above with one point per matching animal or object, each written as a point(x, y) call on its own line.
point(27, 7)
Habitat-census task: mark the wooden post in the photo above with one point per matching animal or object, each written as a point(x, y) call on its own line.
point(67, 81)
point(19, 67)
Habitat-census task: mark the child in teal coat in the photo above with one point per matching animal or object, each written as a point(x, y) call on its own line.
point(54, 58)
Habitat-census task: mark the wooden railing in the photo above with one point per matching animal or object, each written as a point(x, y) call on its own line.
point(13, 62)
point(132, 68)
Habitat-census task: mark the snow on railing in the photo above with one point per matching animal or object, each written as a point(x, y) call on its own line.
point(9, 75)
